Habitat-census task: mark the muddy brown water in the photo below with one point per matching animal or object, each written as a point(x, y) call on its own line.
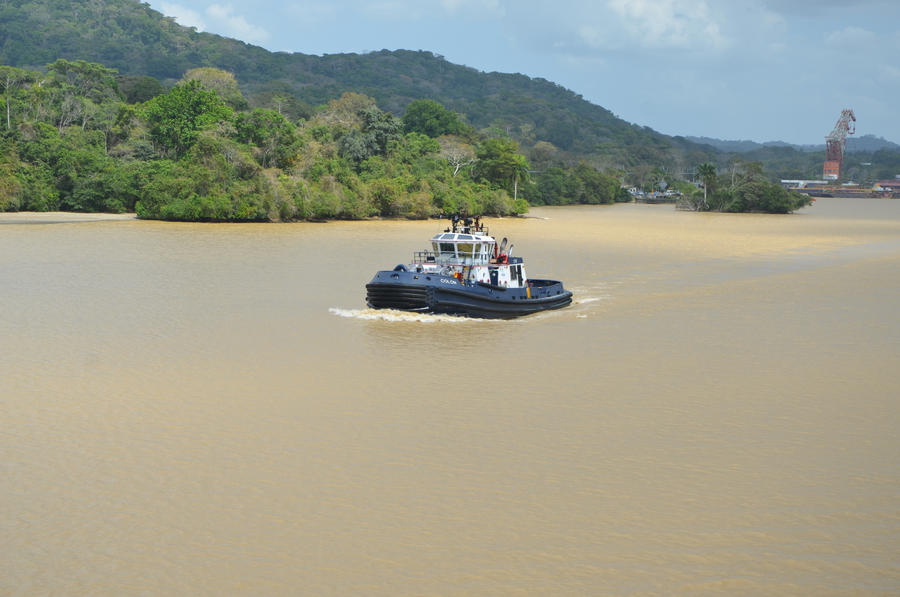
point(197, 409)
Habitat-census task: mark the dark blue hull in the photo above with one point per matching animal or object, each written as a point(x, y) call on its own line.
point(434, 293)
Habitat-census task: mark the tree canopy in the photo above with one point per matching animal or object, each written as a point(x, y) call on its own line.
point(747, 190)
point(76, 142)
point(431, 118)
point(176, 118)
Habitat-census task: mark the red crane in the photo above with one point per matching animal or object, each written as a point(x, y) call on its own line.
point(835, 143)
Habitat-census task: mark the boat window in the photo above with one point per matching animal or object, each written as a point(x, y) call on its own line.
point(448, 249)
point(465, 237)
point(465, 249)
point(478, 252)
point(436, 247)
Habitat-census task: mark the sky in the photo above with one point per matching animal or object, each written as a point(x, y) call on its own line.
point(762, 70)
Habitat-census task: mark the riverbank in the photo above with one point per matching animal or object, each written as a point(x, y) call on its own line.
point(59, 217)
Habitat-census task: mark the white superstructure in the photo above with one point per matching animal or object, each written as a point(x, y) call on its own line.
point(471, 255)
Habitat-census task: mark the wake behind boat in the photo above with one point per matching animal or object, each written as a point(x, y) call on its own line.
point(466, 273)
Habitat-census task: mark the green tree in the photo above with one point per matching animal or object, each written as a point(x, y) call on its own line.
point(345, 112)
point(376, 133)
point(428, 117)
point(556, 187)
point(594, 187)
point(500, 164)
point(383, 127)
point(752, 192)
point(357, 146)
point(139, 89)
point(413, 147)
point(707, 174)
point(86, 79)
point(273, 135)
point(11, 80)
point(543, 155)
point(220, 81)
point(37, 189)
point(176, 118)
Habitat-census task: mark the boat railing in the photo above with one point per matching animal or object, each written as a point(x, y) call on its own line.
point(424, 257)
point(470, 229)
point(466, 261)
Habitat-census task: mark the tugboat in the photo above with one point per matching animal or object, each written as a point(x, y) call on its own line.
point(466, 272)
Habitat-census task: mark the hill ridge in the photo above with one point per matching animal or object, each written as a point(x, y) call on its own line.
point(863, 143)
point(137, 40)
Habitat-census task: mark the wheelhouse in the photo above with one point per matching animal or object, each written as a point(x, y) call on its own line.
point(452, 248)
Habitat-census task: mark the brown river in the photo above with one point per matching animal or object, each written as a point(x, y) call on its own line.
point(190, 409)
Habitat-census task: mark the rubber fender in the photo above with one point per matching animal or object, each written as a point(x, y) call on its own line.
point(401, 268)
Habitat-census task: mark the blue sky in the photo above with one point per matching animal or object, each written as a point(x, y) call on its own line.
point(733, 69)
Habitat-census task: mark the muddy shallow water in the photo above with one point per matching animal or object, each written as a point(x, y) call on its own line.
point(211, 409)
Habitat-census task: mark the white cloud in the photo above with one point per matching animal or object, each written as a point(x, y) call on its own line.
point(677, 24)
point(648, 25)
point(183, 16)
point(231, 25)
point(851, 38)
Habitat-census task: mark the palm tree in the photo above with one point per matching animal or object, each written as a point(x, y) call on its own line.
point(707, 174)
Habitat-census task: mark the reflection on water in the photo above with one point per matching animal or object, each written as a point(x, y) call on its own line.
point(211, 409)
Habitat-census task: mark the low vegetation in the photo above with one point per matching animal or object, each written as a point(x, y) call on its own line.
point(744, 189)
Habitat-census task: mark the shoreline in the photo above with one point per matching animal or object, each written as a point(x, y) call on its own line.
point(70, 217)
point(60, 217)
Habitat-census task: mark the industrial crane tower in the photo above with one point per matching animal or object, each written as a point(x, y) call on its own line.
point(835, 143)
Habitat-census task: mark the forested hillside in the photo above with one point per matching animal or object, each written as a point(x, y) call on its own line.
point(136, 40)
point(73, 140)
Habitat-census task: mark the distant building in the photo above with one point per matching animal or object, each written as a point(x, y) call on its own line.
point(802, 184)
